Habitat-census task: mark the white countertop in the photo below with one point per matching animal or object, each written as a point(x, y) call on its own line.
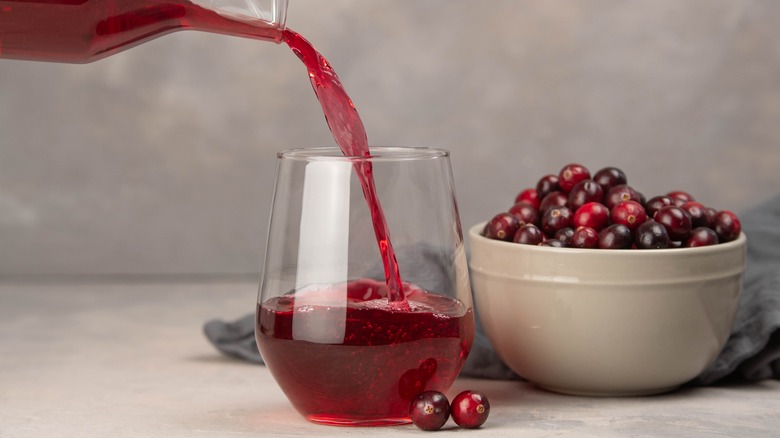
point(130, 360)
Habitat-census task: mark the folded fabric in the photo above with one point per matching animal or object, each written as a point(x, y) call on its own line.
point(751, 353)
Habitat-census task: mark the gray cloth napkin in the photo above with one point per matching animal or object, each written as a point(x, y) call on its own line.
point(752, 352)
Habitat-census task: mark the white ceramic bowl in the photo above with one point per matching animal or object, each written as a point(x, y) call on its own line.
point(606, 322)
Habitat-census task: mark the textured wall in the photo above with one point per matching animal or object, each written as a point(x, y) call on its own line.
point(161, 159)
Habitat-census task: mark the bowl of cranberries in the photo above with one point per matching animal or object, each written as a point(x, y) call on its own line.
point(584, 285)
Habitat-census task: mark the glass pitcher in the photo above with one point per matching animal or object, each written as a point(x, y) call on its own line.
point(82, 31)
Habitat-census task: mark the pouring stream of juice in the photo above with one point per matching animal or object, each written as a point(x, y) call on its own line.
point(349, 133)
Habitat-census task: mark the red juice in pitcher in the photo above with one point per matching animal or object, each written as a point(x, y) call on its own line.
point(81, 31)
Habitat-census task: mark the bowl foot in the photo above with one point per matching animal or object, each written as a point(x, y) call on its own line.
point(609, 393)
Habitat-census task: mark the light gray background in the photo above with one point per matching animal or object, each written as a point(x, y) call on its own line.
point(160, 160)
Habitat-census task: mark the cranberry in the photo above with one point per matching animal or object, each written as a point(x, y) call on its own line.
point(570, 175)
point(470, 409)
point(656, 203)
point(702, 236)
point(564, 235)
point(503, 226)
point(727, 225)
point(554, 199)
point(546, 185)
point(555, 243)
point(609, 177)
point(651, 235)
point(529, 234)
point(676, 221)
point(630, 214)
point(411, 383)
point(615, 236)
point(592, 214)
point(585, 191)
point(530, 196)
point(698, 213)
point(430, 410)
point(620, 193)
point(585, 237)
point(525, 213)
point(680, 197)
point(556, 218)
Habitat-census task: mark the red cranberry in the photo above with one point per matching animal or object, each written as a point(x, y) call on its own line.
point(411, 383)
point(585, 191)
point(555, 243)
point(651, 235)
point(680, 197)
point(564, 235)
point(570, 175)
point(546, 185)
point(630, 214)
point(592, 214)
point(430, 410)
point(470, 409)
point(615, 236)
point(702, 236)
point(554, 199)
point(585, 237)
point(726, 225)
point(525, 213)
point(656, 203)
point(556, 218)
point(503, 226)
point(676, 221)
point(609, 177)
point(529, 234)
point(620, 193)
point(698, 214)
point(530, 196)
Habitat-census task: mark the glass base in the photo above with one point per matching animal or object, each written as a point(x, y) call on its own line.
point(358, 422)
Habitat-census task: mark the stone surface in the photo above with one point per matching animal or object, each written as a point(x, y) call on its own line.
point(129, 360)
point(160, 160)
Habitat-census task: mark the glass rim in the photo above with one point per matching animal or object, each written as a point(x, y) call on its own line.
point(378, 153)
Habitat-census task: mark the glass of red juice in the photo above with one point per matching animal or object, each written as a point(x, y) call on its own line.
point(365, 299)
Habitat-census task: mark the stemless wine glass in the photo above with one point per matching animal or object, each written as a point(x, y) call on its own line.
point(345, 344)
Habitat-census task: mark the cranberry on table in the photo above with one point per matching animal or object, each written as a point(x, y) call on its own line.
point(609, 177)
point(676, 221)
point(726, 225)
point(546, 185)
point(584, 192)
point(529, 234)
point(630, 214)
point(651, 235)
point(525, 212)
point(592, 214)
point(615, 236)
point(585, 237)
point(503, 226)
point(556, 218)
point(430, 410)
point(570, 175)
point(701, 236)
point(470, 409)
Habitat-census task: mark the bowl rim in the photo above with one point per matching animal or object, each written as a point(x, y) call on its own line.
point(476, 235)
